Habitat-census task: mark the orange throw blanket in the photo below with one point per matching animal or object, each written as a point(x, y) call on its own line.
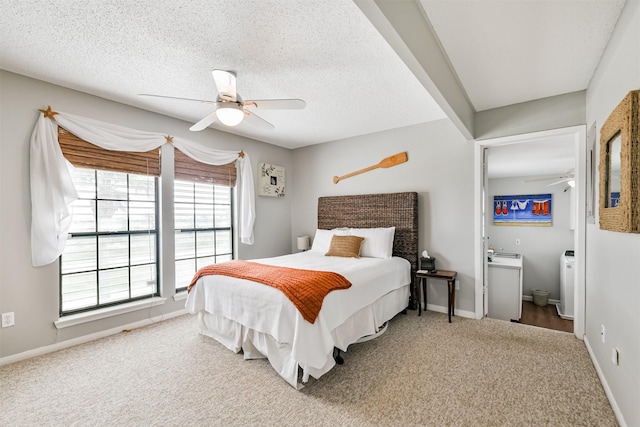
point(306, 289)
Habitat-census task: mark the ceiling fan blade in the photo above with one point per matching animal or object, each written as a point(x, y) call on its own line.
point(256, 120)
point(545, 178)
point(276, 104)
point(560, 181)
point(225, 84)
point(204, 101)
point(204, 123)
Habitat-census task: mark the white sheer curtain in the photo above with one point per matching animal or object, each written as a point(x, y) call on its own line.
point(52, 190)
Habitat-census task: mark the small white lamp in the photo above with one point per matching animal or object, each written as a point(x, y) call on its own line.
point(303, 243)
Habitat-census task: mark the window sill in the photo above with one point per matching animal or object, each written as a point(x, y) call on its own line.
point(180, 296)
point(80, 318)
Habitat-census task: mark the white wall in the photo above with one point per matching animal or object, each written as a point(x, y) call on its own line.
point(32, 293)
point(541, 246)
point(613, 259)
point(440, 169)
point(554, 112)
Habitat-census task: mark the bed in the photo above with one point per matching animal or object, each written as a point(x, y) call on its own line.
point(262, 322)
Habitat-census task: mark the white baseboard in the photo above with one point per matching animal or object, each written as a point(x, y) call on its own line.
point(456, 312)
point(86, 338)
point(605, 385)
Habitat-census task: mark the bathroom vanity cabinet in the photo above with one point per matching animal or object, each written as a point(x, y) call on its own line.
point(505, 287)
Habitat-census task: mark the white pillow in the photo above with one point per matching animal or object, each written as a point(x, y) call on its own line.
point(322, 239)
point(378, 242)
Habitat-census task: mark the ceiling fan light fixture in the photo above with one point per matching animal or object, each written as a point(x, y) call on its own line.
point(230, 115)
point(572, 183)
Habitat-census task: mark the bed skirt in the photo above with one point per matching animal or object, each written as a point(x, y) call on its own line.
point(258, 345)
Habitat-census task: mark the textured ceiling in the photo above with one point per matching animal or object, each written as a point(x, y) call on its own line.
point(507, 52)
point(324, 52)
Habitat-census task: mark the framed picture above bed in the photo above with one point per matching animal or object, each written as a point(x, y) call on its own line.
point(271, 180)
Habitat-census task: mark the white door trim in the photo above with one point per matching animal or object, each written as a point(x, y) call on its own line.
point(580, 135)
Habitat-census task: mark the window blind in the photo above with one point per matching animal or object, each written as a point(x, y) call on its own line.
point(187, 169)
point(83, 154)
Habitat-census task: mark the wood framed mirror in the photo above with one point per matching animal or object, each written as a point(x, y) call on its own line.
point(619, 167)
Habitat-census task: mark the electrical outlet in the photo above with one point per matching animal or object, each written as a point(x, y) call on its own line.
point(457, 285)
point(615, 356)
point(8, 319)
point(602, 333)
point(517, 242)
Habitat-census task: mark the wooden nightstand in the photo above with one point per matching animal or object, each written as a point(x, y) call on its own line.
point(448, 275)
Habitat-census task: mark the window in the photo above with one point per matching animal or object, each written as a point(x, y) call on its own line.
point(111, 254)
point(203, 232)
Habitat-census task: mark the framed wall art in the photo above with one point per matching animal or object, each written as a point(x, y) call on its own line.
point(619, 167)
point(529, 209)
point(271, 180)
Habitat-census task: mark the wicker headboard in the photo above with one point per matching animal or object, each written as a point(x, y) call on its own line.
point(398, 210)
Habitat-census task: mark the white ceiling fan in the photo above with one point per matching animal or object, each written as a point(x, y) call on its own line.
point(568, 177)
point(230, 109)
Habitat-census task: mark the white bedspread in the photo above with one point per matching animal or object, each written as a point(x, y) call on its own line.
point(266, 310)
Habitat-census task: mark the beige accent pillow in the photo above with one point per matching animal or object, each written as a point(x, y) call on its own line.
point(345, 246)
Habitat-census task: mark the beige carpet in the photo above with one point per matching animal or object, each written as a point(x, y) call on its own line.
point(422, 371)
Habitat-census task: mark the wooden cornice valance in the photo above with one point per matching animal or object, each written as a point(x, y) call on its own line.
point(83, 154)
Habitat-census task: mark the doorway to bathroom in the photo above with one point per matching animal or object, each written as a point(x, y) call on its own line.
point(517, 172)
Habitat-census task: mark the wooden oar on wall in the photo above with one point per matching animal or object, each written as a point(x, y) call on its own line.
point(390, 161)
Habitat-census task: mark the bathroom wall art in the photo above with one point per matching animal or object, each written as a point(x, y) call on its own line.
point(524, 209)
